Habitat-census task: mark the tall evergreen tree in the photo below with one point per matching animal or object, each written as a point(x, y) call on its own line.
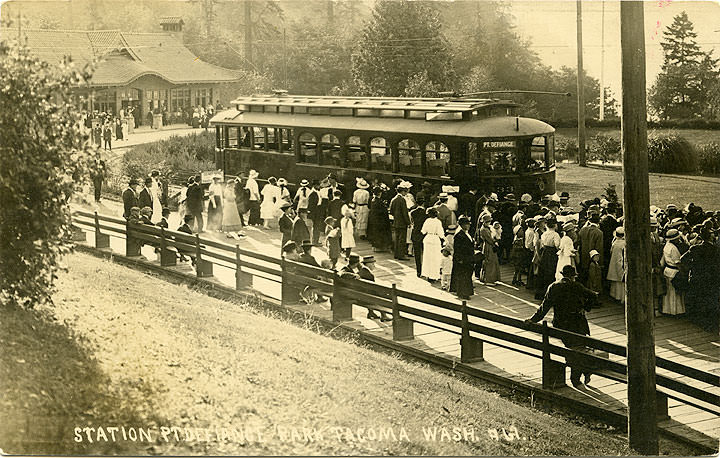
point(680, 90)
point(402, 39)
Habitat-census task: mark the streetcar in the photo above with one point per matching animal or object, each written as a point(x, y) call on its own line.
point(473, 143)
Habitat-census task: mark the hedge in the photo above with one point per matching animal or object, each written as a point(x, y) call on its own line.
point(697, 123)
point(709, 158)
point(671, 153)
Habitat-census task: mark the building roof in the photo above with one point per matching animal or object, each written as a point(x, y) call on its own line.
point(171, 20)
point(126, 56)
point(491, 128)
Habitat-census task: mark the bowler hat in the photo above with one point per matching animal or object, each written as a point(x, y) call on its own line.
point(289, 246)
point(463, 220)
point(306, 243)
point(353, 258)
point(568, 271)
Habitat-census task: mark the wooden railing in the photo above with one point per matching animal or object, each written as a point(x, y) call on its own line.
point(475, 327)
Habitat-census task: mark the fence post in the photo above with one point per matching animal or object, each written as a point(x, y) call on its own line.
point(202, 268)
point(168, 255)
point(341, 305)
point(402, 328)
point(101, 240)
point(471, 349)
point(553, 372)
point(132, 247)
point(290, 294)
point(242, 278)
point(661, 402)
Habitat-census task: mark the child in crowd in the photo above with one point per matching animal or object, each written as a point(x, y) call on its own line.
point(595, 272)
point(332, 240)
point(446, 268)
point(518, 255)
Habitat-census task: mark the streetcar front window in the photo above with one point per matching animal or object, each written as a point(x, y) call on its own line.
point(537, 154)
point(502, 161)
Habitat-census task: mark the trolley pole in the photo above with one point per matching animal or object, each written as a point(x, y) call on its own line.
point(639, 311)
point(580, 89)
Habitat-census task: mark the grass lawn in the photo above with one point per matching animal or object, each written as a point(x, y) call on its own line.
point(152, 354)
point(694, 136)
point(588, 182)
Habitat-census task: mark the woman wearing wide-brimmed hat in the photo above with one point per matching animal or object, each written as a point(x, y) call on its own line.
point(674, 300)
point(617, 266)
point(490, 273)
point(567, 251)
point(361, 198)
point(269, 206)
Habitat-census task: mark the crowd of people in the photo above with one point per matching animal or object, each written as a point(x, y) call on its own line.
point(455, 235)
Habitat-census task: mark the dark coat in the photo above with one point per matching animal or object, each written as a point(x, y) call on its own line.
point(185, 228)
point(286, 226)
point(399, 211)
point(366, 274)
point(569, 299)
point(300, 231)
point(307, 258)
point(130, 200)
point(315, 208)
point(378, 230)
point(703, 296)
point(145, 199)
point(418, 215)
point(163, 223)
point(463, 264)
point(591, 238)
point(194, 198)
point(335, 209)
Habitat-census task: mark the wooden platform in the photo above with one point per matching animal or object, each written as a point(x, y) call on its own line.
point(676, 339)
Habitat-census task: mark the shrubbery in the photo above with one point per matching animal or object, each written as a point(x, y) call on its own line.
point(604, 148)
point(709, 158)
point(695, 123)
point(671, 153)
point(566, 148)
point(172, 157)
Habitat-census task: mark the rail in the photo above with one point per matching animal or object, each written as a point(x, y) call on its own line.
point(475, 327)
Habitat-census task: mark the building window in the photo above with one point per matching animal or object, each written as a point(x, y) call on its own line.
point(356, 153)
point(437, 155)
point(380, 154)
point(330, 151)
point(179, 100)
point(203, 97)
point(409, 157)
point(308, 147)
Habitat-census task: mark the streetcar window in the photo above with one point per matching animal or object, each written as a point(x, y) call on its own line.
point(259, 137)
point(437, 155)
point(473, 154)
point(284, 109)
point(286, 140)
point(232, 136)
point(272, 137)
point(330, 151)
point(537, 154)
point(356, 153)
point(308, 147)
point(502, 161)
point(245, 135)
point(381, 157)
point(319, 110)
point(409, 157)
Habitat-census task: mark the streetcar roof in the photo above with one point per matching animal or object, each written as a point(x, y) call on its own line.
point(427, 104)
point(495, 127)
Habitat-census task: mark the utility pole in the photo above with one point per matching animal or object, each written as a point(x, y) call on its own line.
point(601, 115)
point(248, 33)
point(639, 309)
point(580, 91)
point(285, 79)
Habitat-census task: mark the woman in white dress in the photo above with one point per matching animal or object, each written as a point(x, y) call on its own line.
point(230, 216)
point(156, 190)
point(215, 206)
point(616, 267)
point(567, 251)
point(284, 194)
point(674, 301)
point(270, 202)
point(361, 199)
point(434, 234)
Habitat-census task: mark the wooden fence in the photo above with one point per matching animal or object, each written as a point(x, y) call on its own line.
point(684, 383)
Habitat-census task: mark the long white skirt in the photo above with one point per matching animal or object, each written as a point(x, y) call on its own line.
point(362, 212)
point(673, 302)
point(432, 257)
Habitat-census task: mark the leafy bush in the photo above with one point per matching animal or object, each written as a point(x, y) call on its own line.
point(566, 148)
point(709, 158)
point(172, 157)
point(604, 148)
point(671, 153)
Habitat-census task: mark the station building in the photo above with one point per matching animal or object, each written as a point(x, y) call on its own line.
point(147, 71)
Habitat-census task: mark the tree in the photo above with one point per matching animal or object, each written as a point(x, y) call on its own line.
point(402, 38)
point(43, 157)
point(681, 88)
point(420, 85)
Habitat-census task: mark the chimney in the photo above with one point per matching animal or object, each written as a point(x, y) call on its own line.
point(173, 25)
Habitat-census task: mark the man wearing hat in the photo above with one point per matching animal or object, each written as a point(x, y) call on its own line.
point(401, 221)
point(306, 257)
point(130, 197)
point(302, 194)
point(564, 198)
point(254, 200)
point(316, 213)
point(426, 193)
point(352, 267)
point(444, 214)
point(591, 238)
point(300, 230)
point(364, 271)
point(285, 223)
point(418, 215)
point(463, 263)
point(570, 300)
point(290, 251)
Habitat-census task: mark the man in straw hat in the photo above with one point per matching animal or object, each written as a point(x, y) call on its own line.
point(570, 300)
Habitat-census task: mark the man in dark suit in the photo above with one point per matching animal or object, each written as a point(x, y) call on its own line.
point(316, 212)
point(591, 238)
point(164, 220)
point(300, 230)
point(401, 220)
point(194, 202)
point(365, 272)
point(146, 196)
point(335, 206)
point(418, 216)
point(306, 257)
point(130, 198)
point(285, 223)
point(463, 260)
point(352, 267)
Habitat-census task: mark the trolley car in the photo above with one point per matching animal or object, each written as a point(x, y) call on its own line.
point(473, 143)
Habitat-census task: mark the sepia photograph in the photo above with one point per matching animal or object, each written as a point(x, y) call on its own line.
point(360, 227)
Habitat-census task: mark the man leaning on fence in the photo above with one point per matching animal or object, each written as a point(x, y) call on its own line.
point(569, 299)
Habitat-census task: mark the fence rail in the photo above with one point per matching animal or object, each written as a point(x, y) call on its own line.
point(605, 358)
